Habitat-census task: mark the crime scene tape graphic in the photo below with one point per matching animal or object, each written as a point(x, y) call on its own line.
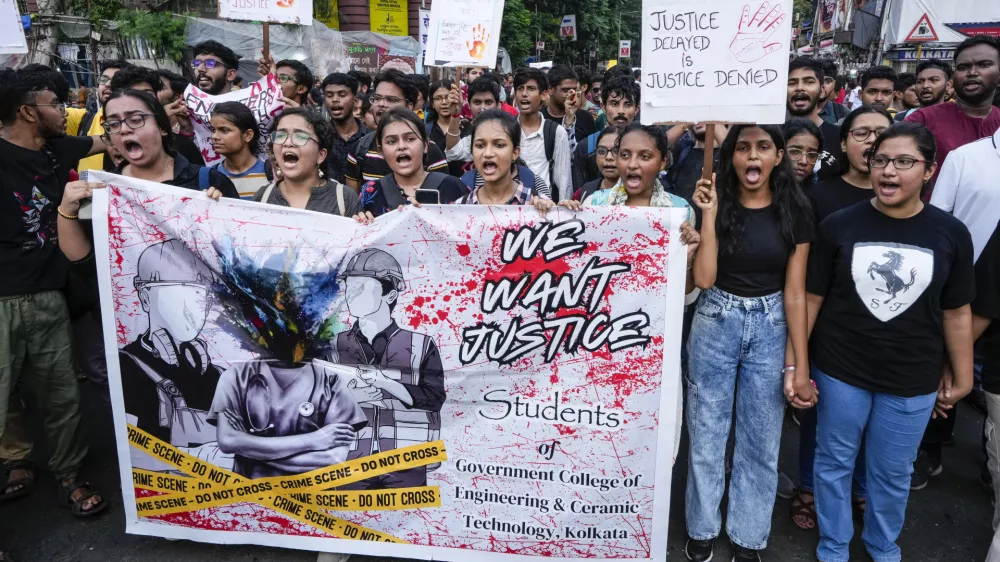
point(301, 497)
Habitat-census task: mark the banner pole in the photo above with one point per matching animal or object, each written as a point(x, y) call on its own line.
point(267, 40)
point(706, 173)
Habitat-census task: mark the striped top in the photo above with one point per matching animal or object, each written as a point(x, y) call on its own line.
point(249, 181)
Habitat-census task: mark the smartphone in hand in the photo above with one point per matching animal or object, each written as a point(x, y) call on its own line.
point(428, 197)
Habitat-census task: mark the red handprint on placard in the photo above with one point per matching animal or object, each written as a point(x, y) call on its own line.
point(480, 37)
point(751, 41)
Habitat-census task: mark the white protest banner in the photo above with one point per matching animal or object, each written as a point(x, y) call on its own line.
point(12, 40)
point(624, 49)
point(464, 33)
point(725, 60)
point(567, 29)
point(298, 12)
point(523, 386)
point(263, 97)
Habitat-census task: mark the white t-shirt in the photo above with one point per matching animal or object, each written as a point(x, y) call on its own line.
point(854, 98)
point(967, 187)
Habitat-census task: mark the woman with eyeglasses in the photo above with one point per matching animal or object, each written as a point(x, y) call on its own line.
point(607, 162)
point(803, 142)
point(138, 128)
point(299, 137)
point(857, 136)
point(440, 117)
point(889, 285)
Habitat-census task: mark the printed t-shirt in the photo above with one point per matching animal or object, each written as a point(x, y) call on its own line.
point(886, 283)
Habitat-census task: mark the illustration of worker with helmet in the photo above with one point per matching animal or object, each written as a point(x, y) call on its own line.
point(168, 379)
point(400, 380)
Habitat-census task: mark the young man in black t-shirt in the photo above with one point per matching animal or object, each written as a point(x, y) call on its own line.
point(36, 157)
point(565, 102)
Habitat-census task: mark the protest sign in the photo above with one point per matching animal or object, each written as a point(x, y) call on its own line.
point(720, 61)
point(363, 57)
point(298, 12)
point(12, 40)
point(425, 29)
point(263, 97)
point(464, 33)
point(520, 402)
point(389, 17)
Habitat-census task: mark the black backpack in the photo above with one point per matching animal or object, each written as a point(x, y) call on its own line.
point(364, 145)
point(85, 123)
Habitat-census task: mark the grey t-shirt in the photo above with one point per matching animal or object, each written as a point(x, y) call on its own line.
point(323, 199)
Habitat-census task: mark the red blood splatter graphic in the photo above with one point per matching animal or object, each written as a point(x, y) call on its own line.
point(464, 250)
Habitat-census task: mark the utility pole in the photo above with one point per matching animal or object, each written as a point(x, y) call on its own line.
point(93, 46)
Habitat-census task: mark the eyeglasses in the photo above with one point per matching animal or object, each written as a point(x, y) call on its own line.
point(602, 152)
point(134, 121)
point(391, 100)
point(209, 63)
point(439, 99)
point(796, 154)
point(103, 80)
point(899, 162)
point(298, 139)
point(60, 107)
point(863, 134)
point(286, 78)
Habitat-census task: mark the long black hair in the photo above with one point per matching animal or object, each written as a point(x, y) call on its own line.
point(920, 134)
point(155, 108)
point(787, 197)
point(432, 114)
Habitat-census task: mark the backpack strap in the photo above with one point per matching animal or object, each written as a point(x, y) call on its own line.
point(549, 130)
point(469, 179)
point(390, 190)
point(204, 181)
point(83, 130)
point(267, 192)
point(340, 198)
point(434, 181)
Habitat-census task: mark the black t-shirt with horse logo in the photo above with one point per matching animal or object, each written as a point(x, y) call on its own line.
point(886, 283)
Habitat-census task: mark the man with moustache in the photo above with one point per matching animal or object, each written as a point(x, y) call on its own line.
point(339, 94)
point(805, 84)
point(214, 67)
point(620, 98)
point(878, 88)
point(972, 116)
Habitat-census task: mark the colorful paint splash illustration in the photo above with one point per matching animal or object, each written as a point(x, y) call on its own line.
point(288, 315)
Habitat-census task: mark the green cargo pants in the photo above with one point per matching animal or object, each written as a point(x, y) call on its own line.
point(35, 350)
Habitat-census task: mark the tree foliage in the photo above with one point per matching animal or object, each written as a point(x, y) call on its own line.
point(600, 24)
point(161, 30)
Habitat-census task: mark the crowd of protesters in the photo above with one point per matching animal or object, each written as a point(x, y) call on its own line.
point(842, 265)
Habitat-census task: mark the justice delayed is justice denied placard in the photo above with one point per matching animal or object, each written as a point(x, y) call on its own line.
point(450, 381)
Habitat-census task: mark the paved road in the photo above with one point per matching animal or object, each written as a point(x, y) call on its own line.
point(948, 521)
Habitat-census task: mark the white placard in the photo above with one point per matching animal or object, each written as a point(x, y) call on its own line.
point(12, 40)
point(464, 33)
point(723, 61)
point(298, 12)
point(425, 30)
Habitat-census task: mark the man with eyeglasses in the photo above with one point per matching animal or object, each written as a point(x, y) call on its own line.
point(295, 78)
point(214, 67)
point(84, 123)
point(392, 89)
point(36, 157)
point(565, 102)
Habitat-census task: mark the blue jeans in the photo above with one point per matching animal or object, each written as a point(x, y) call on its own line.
point(891, 427)
point(736, 351)
point(807, 455)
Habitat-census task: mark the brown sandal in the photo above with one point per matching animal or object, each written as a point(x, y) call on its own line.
point(804, 509)
point(25, 484)
point(76, 505)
